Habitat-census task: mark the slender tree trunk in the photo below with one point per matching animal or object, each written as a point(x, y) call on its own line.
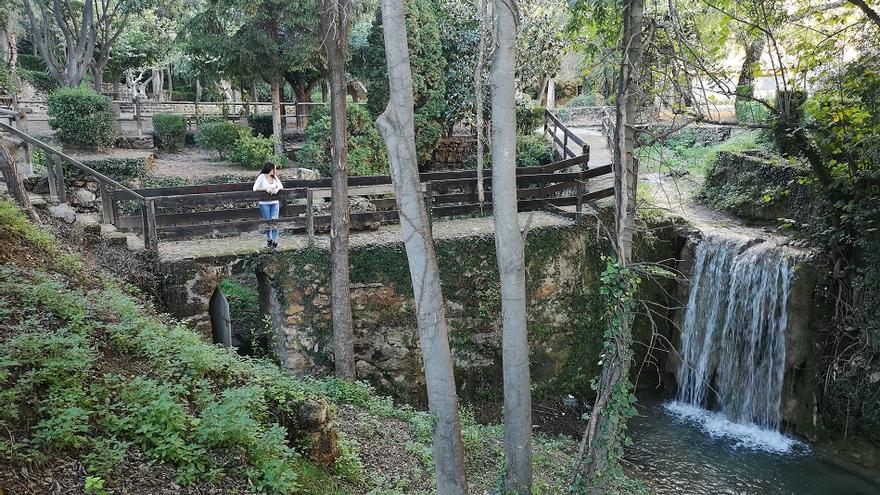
point(601, 440)
point(276, 115)
point(170, 83)
point(745, 84)
point(510, 255)
point(334, 23)
point(398, 129)
point(551, 94)
point(479, 93)
point(324, 91)
point(13, 181)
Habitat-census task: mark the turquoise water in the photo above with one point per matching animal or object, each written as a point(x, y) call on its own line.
point(686, 451)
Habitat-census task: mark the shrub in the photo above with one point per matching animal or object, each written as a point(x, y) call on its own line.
point(169, 129)
point(27, 61)
point(585, 100)
point(533, 151)
point(261, 124)
point(82, 117)
point(253, 151)
point(528, 118)
point(366, 150)
point(121, 169)
point(8, 84)
point(218, 134)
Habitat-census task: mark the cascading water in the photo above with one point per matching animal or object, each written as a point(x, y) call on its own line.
point(733, 340)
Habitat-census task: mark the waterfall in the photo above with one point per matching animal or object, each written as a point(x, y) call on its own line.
point(733, 342)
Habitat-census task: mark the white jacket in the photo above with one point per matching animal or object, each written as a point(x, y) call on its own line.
point(262, 184)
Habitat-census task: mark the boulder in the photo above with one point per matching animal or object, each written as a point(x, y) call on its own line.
point(83, 197)
point(63, 212)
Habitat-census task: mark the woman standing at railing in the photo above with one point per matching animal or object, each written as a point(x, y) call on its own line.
point(267, 181)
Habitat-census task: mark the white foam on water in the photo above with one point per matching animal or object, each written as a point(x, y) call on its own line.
point(747, 436)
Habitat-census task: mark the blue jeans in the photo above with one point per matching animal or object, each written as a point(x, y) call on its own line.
point(270, 211)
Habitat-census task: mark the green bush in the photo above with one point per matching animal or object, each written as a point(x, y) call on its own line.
point(253, 151)
point(169, 129)
point(121, 169)
point(585, 100)
point(366, 150)
point(40, 79)
point(27, 61)
point(218, 134)
point(82, 117)
point(8, 83)
point(261, 124)
point(528, 118)
point(533, 151)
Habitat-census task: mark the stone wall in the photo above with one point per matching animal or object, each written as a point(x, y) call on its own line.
point(758, 187)
point(453, 152)
point(566, 311)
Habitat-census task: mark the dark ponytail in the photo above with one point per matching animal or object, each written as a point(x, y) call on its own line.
point(267, 167)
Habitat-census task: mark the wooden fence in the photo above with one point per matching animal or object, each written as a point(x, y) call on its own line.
point(188, 212)
point(107, 187)
point(293, 114)
point(567, 135)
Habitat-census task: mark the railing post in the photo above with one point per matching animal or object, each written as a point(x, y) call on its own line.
point(429, 206)
point(107, 198)
point(22, 125)
point(580, 196)
point(585, 151)
point(50, 177)
point(59, 177)
point(151, 235)
point(565, 144)
point(545, 122)
point(310, 217)
point(137, 115)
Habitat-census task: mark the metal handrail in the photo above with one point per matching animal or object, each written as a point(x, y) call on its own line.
point(48, 149)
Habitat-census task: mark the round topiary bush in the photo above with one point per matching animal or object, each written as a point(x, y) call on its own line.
point(253, 151)
point(169, 129)
point(366, 150)
point(81, 117)
point(219, 135)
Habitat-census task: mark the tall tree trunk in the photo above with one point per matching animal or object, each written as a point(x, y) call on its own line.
point(551, 94)
point(334, 23)
point(601, 440)
point(398, 129)
point(13, 181)
point(510, 255)
point(745, 85)
point(276, 115)
point(479, 94)
point(98, 75)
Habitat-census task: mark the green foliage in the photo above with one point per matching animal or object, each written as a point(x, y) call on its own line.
point(27, 61)
point(749, 111)
point(253, 151)
point(533, 150)
point(8, 83)
point(366, 150)
point(170, 130)
point(81, 117)
point(460, 41)
point(218, 134)
point(586, 100)
point(428, 73)
point(122, 169)
point(686, 150)
point(40, 79)
point(528, 117)
point(261, 124)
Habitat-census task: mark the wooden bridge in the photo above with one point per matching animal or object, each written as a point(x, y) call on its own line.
point(191, 212)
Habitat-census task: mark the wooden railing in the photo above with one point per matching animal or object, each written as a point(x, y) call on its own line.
point(188, 212)
point(107, 187)
point(567, 135)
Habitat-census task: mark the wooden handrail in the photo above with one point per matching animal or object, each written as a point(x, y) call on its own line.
point(72, 161)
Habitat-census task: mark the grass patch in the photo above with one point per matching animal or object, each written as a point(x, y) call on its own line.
point(681, 152)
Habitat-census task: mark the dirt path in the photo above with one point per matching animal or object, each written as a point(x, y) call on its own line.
point(193, 163)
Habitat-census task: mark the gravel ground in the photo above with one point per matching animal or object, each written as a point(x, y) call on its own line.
point(192, 163)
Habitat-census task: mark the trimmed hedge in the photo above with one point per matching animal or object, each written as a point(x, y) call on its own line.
point(169, 129)
point(253, 151)
point(219, 135)
point(261, 124)
point(81, 117)
point(121, 169)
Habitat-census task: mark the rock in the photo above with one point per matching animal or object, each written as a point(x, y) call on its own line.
point(83, 197)
point(302, 174)
point(308, 423)
point(677, 173)
point(63, 212)
point(134, 142)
